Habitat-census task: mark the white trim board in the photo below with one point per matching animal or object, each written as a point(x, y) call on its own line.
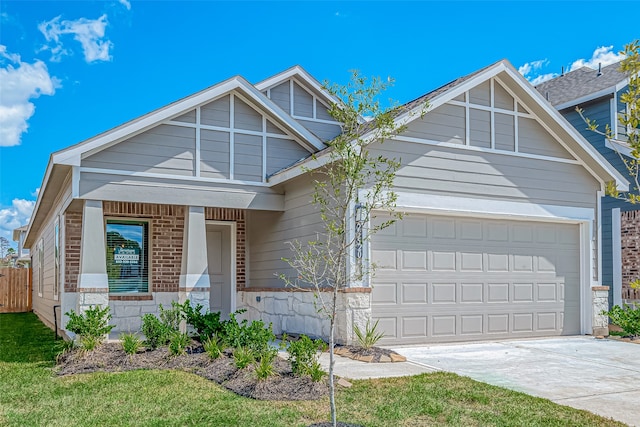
point(616, 256)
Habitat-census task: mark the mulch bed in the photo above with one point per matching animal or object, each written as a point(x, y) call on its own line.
point(369, 355)
point(284, 385)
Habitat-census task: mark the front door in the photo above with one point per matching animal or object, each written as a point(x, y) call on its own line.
point(219, 257)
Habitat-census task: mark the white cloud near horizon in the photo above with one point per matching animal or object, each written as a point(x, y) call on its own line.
point(603, 55)
point(14, 216)
point(20, 82)
point(89, 32)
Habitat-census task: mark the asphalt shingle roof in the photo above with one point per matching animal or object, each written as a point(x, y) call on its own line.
point(580, 83)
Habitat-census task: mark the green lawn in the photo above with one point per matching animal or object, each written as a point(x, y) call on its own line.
point(30, 396)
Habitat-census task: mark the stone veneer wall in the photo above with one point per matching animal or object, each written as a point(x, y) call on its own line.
point(296, 312)
point(630, 242)
point(600, 303)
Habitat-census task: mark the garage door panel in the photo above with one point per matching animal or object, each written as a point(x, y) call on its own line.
point(469, 279)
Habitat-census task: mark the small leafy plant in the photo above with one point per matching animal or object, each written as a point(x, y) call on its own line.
point(178, 343)
point(155, 332)
point(243, 357)
point(264, 367)
point(91, 326)
point(315, 372)
point(303, 355)
point(213, 346)
point(131, 343)
point(370, 336)
point(628, 318)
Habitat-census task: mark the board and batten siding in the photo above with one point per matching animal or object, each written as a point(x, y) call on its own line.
point(43, 306)
point(305, 107)
point(227, 140)
point(268, 233)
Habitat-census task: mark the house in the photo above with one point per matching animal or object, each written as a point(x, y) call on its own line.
point(597, 93)
point(23, 257)
point(196, 201)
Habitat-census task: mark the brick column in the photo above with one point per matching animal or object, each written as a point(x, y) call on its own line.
point(600, 303)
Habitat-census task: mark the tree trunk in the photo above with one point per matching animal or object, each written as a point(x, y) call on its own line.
point(332, 394)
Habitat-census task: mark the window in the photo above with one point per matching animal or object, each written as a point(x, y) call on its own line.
point(56, 259)
point(128, 256)
point(40, 267)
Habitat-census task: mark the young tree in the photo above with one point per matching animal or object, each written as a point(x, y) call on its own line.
point(4, 245)
point(350, 184)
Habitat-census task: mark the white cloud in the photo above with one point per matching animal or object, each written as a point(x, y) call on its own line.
point(15, 216)
point(89, 32)
point(126, 3)
point(603, 55)
point(19, 83)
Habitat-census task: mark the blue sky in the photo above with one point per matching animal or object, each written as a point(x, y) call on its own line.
point(72, 69)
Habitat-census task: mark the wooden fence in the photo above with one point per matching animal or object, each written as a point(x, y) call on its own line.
point(15, 290)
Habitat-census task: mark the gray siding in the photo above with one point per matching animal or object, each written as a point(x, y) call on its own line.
point(621, 108)
point(247, 157)
point(302, 102)
point(43, 306)
point(216, 113)
point(324, 131)
point(164, 149)
point(281, 96)
point(450, 171)
point(282, 153)
point(269, 232)
point(214, 154)
point(534, 139)
point(245, 117)
point(444, 124)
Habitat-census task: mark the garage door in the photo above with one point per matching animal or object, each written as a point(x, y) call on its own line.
point(445, 279)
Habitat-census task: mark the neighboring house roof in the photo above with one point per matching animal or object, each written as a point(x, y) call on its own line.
point(581, 85)
point(591, 159)
point(17, 231)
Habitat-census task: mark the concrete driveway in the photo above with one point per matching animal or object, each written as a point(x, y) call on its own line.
point(601, 376)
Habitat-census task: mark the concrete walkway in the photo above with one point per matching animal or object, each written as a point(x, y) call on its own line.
point(601, 376)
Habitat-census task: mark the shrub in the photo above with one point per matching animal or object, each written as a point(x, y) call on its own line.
point(171, 317)
point(213, 346)
point(155, 332)
point(242, 357)
point(206, 324)
point(264, 367)
point(178, 343)
point(303, 355)
point(131, 343)
point(92, 326)
point(315, 372)
point(370, 336)
point(628, 318)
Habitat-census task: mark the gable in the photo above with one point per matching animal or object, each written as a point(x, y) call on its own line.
point(490, 117)
point(228, 138)
point(306, 105)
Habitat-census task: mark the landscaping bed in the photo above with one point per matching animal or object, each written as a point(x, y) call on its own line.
point(283, 385)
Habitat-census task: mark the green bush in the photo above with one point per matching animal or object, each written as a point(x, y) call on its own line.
point(91, 326)
point(206, 324)
point(628, 318)
point(370, 336)
point(178, 343)
point(303, 355)
point(156, 333)
point(131, 343)
point(171, 317)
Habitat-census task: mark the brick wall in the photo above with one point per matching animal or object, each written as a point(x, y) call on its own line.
point(72, 236)
point(167, 230)
point(630, 242)
point(237, 215)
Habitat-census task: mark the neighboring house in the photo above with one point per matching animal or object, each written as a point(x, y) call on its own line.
point(23, 256)
point(597, 93)
point(197, 200)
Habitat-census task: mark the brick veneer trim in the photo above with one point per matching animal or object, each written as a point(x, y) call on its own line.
point(630, 252)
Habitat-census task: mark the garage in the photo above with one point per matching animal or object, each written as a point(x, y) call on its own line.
point(454, 278)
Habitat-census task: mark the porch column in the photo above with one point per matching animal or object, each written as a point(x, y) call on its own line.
point(194, 276)
point(93, 286)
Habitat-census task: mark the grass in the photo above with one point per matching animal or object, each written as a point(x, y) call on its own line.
point(30, 395)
